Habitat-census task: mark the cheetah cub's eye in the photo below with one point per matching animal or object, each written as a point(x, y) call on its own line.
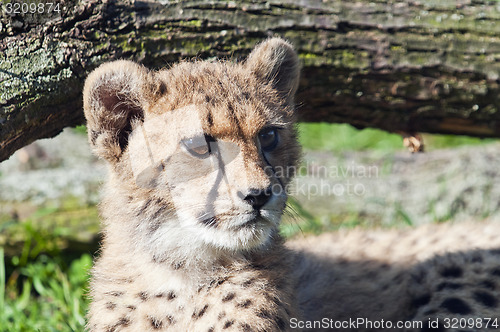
point(268, 139)
point(198, 146)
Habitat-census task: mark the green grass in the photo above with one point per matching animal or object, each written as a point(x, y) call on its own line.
point(45, 294)
point(435, 142)
point(44, 268)
point(81, 129)
point(298, 220)
point(343, 137)
point(42, 288)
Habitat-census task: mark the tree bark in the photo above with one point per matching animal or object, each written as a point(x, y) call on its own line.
point(415, 66)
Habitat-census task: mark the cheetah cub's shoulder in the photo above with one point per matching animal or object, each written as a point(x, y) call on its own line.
point(193, 201)
point(200, 157)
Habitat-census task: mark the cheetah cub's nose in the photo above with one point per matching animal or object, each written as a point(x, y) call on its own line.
point(257, 198)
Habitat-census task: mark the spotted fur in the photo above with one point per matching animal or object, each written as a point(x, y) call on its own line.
point(193, 202)
point(425, 274)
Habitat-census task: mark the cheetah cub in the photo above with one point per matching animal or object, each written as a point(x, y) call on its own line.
point(200, 156)
point(193, 202)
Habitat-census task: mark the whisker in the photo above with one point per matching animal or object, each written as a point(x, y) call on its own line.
point(210, 222)
point(295, 217)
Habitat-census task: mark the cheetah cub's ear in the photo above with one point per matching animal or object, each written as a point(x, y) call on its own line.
point(275, 62)
point(113, 97)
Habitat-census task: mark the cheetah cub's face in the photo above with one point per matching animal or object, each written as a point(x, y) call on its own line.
point(203, 151)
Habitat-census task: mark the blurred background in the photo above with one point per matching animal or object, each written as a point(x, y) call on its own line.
point(49, 224)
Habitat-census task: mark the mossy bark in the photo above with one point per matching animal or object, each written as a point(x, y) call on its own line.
point(427, 65)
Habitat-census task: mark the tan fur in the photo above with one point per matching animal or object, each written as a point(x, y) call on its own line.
point(400, 275)
point(191, 238)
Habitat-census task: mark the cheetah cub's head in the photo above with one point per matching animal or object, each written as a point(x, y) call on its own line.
point(201, 152)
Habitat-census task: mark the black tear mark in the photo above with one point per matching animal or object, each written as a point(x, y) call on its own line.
point(456, 306)
point(228, 297)
point(452, 272)
point(422, 300)
point(486, 299)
